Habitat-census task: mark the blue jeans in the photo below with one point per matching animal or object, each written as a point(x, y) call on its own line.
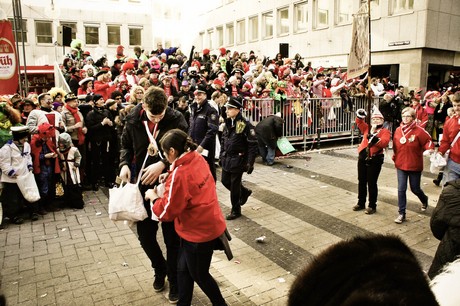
point(267, 153)
point(193, 266)
point(414, 182)
point(451, 172)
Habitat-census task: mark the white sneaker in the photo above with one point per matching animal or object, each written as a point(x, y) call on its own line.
point(400, 219)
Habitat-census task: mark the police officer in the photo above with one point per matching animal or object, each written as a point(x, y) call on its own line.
point(204, 124)
point(237, 155)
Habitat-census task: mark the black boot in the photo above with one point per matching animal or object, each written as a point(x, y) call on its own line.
point(437, 181)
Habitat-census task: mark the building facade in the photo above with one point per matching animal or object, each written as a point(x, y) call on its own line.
point(415, 43)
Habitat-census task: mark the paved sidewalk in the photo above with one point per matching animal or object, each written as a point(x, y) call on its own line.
point(301, 204)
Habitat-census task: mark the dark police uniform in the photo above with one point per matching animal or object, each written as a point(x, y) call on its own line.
point(238, 153)
point(204, 124)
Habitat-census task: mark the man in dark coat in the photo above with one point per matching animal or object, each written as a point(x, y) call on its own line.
point(99, 122)
point(268, 131)
point(237, 155)
point(152, 118)
point(445, 226)
point(204, 124)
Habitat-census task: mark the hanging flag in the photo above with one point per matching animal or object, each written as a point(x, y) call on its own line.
point(358, 59)
point(8, 63)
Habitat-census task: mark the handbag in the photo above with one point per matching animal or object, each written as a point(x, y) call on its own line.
point(28, 187)
point(126, 202)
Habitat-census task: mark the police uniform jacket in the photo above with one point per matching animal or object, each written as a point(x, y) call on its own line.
point(239, 145)
point(204, 124)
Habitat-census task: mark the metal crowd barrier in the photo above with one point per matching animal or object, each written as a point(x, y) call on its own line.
point(312, 120)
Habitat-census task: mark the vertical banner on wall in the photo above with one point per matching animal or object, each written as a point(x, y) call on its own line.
point(8, 63)
point(358, 59)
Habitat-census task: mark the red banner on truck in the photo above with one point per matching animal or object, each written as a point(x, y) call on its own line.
point(8, 61)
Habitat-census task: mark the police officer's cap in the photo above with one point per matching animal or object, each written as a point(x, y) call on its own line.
point(234, 102)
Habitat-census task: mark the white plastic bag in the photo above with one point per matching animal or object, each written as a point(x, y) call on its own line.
point(126, 203)
point(28, 187)
point(438, 161)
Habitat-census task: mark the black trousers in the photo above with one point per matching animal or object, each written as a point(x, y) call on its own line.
point(147, 231)
point(101, 165)
point(368, 175)
point(232, 181)
point(193, 266)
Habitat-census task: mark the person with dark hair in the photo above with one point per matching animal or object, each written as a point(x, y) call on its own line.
point(204, 124)
point(237, 155)
point(101, 128)
point(147, 122)
point(196, 213)
point(268, 131)
point(373, 270)
point(445, 227)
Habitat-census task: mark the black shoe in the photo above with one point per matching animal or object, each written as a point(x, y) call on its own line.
point(233, 216)
point(110, 185)
point(244, 198)
point(95, 187)
point(424, 205)
point(18, 220)
point(159, 283)
point(34, 216)
point(173, 295)
point(86, 187)
point(436, 182)
point(358, 207)
point(370, 211)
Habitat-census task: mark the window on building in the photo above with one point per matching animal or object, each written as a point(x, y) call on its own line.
point(44, 32)
point(230, 30)
point(210, 38)
point(344, 10)
point(300, 17)
point(321, 9)
point(113, 35)
point(220, 35)
point(401, 6)
point(92, 35)
point(203, 42)
point(18, 32)
point(241, 31)
point(267, 28)
point(135, 36)
point(73, 26)
point(283, 21)
point(253, 28)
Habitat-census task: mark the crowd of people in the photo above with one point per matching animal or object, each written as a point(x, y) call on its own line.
point(156, 115)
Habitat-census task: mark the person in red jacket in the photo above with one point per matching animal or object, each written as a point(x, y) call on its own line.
point(409, 142)
point(421, 117)
point(371, 158)
point(103, 85)
point(190, 199)
point(451, 141)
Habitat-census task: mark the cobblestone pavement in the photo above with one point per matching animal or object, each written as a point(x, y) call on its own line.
point(302, 205)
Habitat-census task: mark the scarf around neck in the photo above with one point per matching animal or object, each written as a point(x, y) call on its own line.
point(76, 116)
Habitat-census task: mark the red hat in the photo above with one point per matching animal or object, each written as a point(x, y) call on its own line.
point(218, 82)
point(247, 85)
point(222, 51)
point(206, 51)
point(127, 66)
point(320, 69)
point(376, 113)
point(46, 130)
